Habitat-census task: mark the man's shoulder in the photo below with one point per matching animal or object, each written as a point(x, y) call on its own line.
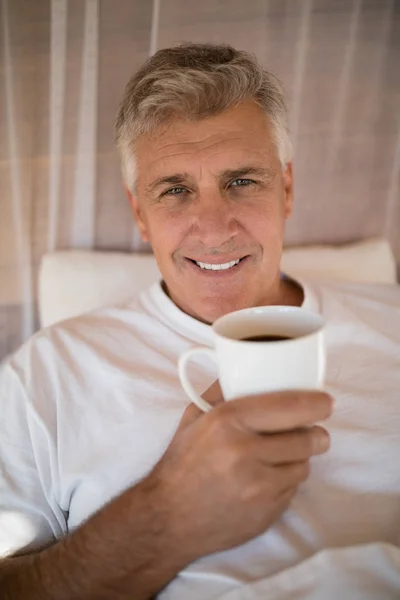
point(87, 356)
point(379, 293)
point(80, 334)
point(362, 307)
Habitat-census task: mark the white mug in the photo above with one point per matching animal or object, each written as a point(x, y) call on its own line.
point(254, 367)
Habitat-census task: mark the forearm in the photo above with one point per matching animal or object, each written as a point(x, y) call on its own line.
point(123, 551)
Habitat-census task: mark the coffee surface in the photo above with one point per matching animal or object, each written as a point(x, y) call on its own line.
point(266, 338)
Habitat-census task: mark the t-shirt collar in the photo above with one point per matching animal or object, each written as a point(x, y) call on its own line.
point(200, 333)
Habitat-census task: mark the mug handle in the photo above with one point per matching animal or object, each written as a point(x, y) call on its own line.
point(182, 370)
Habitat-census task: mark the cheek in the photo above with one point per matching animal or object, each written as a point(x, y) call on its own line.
point(166, 233)
point(264, 221)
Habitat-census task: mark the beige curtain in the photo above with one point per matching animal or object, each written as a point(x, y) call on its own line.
point(64, 64)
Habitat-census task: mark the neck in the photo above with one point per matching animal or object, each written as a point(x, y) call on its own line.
point(290, 292)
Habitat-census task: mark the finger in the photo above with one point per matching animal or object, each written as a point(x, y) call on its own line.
point(282, 502)
point(290, 476)
point(213, 394)
point(285, 498)
point(290, 447)
point(190, 415)
point(279, 411)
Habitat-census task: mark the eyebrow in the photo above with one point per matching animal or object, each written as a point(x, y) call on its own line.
point(226, 175)
point(262, 172)
point(175, 179)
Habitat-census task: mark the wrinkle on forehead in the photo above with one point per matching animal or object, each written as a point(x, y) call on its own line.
point(199, 146)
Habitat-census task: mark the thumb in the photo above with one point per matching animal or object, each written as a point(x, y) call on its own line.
point(213, 395)
point(191, 414)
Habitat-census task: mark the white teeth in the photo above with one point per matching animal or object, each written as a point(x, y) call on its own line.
point(222, 267)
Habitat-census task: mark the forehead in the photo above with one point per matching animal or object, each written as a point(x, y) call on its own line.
point(238, 135)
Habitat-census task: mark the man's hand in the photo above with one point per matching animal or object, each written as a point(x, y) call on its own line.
point(229, 474)
point(226, 477)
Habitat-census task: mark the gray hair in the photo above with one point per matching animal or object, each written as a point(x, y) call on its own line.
point(195, 81)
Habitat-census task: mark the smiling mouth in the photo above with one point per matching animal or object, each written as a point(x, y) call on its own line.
point(217, 267)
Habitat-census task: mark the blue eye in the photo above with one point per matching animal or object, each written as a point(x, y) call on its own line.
point(176, 191)
point(242, 182)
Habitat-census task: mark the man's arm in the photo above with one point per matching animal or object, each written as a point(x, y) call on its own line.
point(225, 478)
point(123, 551)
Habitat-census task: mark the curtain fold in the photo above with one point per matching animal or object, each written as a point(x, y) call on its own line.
point(64, 65)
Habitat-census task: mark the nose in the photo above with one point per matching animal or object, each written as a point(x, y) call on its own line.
point(214, 220)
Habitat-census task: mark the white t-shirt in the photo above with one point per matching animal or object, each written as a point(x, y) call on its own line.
point(88, 406)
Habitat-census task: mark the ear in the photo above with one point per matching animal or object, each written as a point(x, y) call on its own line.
point(138, 214)
point(287, 176)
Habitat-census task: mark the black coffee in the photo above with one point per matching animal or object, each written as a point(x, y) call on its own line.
point(266, 338)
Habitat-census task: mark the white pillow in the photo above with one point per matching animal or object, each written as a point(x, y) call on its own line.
point(73, 282)
point(371, 261)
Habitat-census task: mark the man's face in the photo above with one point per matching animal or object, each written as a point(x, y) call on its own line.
point(212, 199)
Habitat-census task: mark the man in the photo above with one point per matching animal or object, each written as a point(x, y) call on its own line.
point(108, 490)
